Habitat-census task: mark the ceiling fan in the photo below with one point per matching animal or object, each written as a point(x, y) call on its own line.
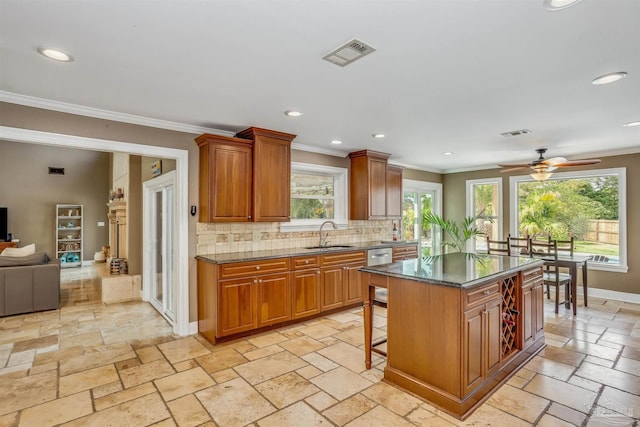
point(543, 167)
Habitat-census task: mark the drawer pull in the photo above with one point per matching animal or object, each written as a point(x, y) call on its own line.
point(487, 292)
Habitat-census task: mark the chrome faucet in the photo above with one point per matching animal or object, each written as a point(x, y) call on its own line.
point(323, 242)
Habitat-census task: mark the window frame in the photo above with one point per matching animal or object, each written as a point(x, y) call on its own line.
point(470, 199)
point(422, 187)
point(621, 173)
point(341, 197)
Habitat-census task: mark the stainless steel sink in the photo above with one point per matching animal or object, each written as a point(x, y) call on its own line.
point(328, 247)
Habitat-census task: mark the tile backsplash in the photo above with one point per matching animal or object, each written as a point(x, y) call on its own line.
point(218, 238)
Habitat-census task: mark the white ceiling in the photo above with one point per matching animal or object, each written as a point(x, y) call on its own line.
point(447, 75)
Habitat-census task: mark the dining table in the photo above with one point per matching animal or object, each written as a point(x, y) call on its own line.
point(572, 262)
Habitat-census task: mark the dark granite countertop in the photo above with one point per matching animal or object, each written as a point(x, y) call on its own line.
point(282, 253)
point(456, 269)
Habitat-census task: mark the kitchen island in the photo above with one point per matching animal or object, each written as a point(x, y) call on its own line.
point(458, 325)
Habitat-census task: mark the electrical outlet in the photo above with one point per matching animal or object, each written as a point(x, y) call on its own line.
point(100, 223)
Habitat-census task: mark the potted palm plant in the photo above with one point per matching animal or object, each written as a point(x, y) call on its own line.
point(454, 237)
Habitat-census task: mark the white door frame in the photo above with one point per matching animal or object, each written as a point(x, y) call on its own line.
point(150, 188)
point(181, 323)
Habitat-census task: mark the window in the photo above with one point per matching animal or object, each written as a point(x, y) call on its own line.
point(484, 202)
point(318, 194)
point(420, 197)
point(589, 206)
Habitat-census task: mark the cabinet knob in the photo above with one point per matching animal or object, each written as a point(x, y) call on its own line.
point(260, 281)
point(318, 272)
point(487, 292)
point(257, 267)
point(255, 281)
point(306, 261)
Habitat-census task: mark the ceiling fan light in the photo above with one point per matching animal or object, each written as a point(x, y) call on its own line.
point(541, 176)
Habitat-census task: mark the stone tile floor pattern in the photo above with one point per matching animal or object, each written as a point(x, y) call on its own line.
point(90, 364)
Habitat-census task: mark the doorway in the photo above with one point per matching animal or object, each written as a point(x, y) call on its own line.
point(159, 278)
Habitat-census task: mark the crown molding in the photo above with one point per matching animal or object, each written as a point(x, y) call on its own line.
point(63, 107)
point(319, 150)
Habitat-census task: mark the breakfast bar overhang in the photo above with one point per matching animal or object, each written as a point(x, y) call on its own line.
point(458, 325)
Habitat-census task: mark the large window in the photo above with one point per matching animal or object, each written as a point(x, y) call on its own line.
point(420, 197)
point(484, 202)
point(318, 194)
point(588, 206)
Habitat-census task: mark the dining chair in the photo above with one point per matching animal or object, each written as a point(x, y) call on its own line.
point(565, 247)
point(518, 245)
point(500, 247)
point(552, 275)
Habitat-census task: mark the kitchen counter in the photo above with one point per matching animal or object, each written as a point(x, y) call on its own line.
point(462, 270)
point(291, 252)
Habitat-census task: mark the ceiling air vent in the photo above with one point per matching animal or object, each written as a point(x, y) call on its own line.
point(56, 171)
point(515, 133)
point(348, 53)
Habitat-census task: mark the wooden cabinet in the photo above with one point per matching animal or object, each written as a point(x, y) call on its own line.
point(532, 306)
point(246, 178)
point(481, 345)
point(271, 173)
point(401, 253)
point(394, 192)
point(305, 286)
point(375, 188)
point(225, 179)
point(340, 279)
point(239, 297)
point(368, 185)
point(251, 294)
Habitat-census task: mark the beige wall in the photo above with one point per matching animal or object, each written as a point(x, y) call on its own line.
point(454, 187)
point(31, 193)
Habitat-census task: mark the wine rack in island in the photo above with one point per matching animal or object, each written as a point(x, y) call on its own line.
point(69, 241)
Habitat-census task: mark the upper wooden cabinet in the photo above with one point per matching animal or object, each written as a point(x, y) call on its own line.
point(225, 178)
point(246, 178)
point(375, 188)
point(394, 192)
point(271, 173)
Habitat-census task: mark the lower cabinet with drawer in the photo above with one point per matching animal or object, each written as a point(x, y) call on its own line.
point(236, 298)
point(532, 305)
point(400, 253)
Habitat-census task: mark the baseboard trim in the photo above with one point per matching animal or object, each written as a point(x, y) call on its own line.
point(613, 295)
point(193, 328)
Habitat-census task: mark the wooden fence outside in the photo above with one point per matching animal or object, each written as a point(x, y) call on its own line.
point(603, 231)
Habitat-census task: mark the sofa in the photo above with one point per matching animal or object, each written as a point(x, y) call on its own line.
point(29, 283)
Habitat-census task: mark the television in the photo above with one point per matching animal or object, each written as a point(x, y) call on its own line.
point(4, 224)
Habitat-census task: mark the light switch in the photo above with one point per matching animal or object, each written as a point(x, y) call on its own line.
point(100, 223)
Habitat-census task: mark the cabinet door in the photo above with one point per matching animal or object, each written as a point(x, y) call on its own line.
point(236, 306)
point(538, 300)
point(274, 299)
point(225, 181)
point(472, 344)
point(493, 325)
point(353, 283)
point(332, 290)
point(482, 343)
point(394, 192)
point(305, 298)
point(527, 314)
point(271, 170)
point(377, 189)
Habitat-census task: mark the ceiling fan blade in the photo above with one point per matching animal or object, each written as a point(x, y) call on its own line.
point(510, 168)
point(584, 162)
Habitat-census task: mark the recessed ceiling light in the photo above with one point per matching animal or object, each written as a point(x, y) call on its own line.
point(447, 153)
point(56, 54)
point(292, 113)
point(336, 142)
point(558, 4)
point(632, 124)
point(378, 135)
point(609, 78)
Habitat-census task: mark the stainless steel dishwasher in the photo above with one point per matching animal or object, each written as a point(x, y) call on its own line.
point(379, 257)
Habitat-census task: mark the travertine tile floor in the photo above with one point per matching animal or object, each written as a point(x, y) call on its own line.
point(88, 364)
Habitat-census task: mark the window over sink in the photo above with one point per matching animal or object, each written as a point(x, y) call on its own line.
point(318, 194)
